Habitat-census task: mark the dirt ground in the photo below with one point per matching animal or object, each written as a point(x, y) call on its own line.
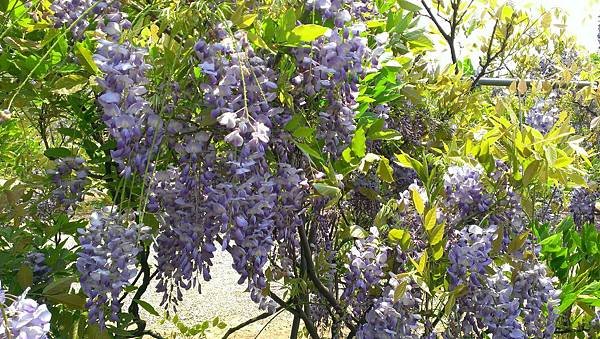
point(221, 297)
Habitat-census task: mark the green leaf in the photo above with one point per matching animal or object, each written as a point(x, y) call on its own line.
point(309, 151)
point(69, 84)
point(327, 190)
point(552, 244)
point(85, 57)
point(437, 234)
point(21, 45)
point(146, 306)
point(358, 143)
point(288, 21)
point(409, 6)
point(385, 135)
point(430, 219)
point(418, 200)
point(385, 171)
point(60, 285)
point(25, 276)
point(70, 132)
point(303, 132)
point(73, 301)
point(305, 33)
point(94, 331)
point(518, 242)
point(57, 152)
point(246, 20)
point(400, 237)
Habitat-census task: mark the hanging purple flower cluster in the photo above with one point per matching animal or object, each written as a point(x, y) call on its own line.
point(543, 114)
point(331, 69)
point(66, 12)
point(487, 301)
point(367, 262)
point(240, 91)
point(582, 206)
point(536, 290)
point(188, 228)
point(24, 318)
point(493, 302)
point(392, 317)
point(107, 261)
point(130, 120)
point(466, 195)
point(37, 261)
point(70, 178)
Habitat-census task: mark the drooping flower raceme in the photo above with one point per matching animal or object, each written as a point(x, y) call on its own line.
point(135, 127)
point(465, 192)
point(65, 12)
point(69, 178)
point(331, 68)
point(366, 269)
point(107, 261)
point(390, 318)
point(582, 206)
point(37, 261)
point(505, 302)
point(26, 319)
point(543, 115)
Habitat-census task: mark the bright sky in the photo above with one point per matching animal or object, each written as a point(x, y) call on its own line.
point(582, 17)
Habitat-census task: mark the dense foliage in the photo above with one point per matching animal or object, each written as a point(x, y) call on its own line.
point(356, 179)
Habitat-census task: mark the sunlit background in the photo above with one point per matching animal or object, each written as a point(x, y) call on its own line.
point(582, 17)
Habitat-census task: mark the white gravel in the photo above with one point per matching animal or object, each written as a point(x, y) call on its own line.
point(221, 297)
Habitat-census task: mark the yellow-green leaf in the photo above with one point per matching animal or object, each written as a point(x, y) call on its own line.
point(257, 40)
point(384, 170)
point(438, 251)
point(450, 304)
point(306, 33)
point(327, 190)
point(246, 20)
point(530, 172)
point(400, 236)
point(418, 201)
point(437, 234)
point(399, 291)
point(85, 56)
point(430, 219)
point(94, 331)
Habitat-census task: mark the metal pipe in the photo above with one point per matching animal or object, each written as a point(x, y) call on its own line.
point(505, 82)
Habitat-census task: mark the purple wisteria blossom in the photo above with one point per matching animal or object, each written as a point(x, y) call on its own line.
point(466, 195)
point(107, 261)
point(582, 206)
point(24, 318)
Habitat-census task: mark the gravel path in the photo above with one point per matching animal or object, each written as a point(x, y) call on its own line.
point(221, 297)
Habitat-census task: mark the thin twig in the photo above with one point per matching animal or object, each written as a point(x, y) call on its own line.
point(267, 324)
point(248, 322)
point(310, 327)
